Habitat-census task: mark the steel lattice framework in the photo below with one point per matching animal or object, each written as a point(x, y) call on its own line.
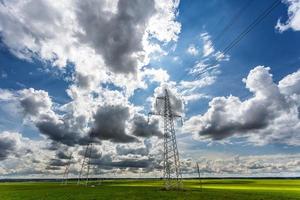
point(171, 165)
point(66, 172)
point(85, 166)
point(199, 175)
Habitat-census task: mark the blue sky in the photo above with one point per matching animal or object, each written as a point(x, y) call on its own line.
point(61, 72)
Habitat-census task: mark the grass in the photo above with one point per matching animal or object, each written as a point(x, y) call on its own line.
point(229, 189)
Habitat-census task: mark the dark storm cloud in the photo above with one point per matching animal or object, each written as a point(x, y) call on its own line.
point(126, 151)
point(62, 133)
point(117, 37)
point(132, 163)
point(109, 161)
point(52, 168)
point(257, 166)
point(7, 146)
point(142, 151)
point(57, 163)
point(106, 162)
point(91, 153)
point(62, 155)
point(58, 132)
point(142, 128)
point(110, 123)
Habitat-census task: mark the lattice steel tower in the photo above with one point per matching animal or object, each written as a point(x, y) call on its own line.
point(67, 170)
point(171, 165)
point(85, 166)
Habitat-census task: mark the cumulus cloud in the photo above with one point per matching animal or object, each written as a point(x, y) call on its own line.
point(120, 41)
point(293, 21)
point(143, 128)
point(249, 165)
point(290, 84)
point(176, 101)
point(271, 115)
point(35, 102)
point(125, 157)
point(85, 35)
point(38, 109)
point(110, 124)
point(98, 37)
point(157, 75)
point(7, 145)
point(106, 162)
point(121, 150)
point(38, 105)
point(57, 163)
point(63, 155)
point(61, 132)
point(73, 127)
point(24, 156)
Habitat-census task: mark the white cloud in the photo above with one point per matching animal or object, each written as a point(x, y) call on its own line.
point(205, 70)
point(290, 84)
point(190, 90)
point(176, 100)
point(157, 75)
point(194, 97)
point(87, 35)
point(25, 157)
point(199, 83)
point(6, 95)
point(209, 64)
point(293, 21)
point(163, 25)
point(270, 116)
point(192, 50)
point(208, 47)
point(249, 165)
point(61, 34)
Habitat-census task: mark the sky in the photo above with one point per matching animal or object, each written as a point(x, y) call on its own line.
point(78, 72)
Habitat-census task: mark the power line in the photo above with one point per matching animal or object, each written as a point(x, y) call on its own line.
point(249, 28)
point(233, 20)
point(252, 25)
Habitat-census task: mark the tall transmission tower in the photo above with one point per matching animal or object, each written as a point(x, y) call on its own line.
point(171, 165)
point(85, 166)
point(67, 169)
point(198, 170)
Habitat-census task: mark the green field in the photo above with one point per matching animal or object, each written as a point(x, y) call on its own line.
point(229, 189)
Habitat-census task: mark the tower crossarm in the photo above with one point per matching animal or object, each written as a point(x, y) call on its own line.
point(161, 114)
point(172, 115)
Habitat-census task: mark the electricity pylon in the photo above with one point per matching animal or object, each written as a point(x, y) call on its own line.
point(198, 170)
point(171, 174)
point(85, 166)
point(67, 169)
